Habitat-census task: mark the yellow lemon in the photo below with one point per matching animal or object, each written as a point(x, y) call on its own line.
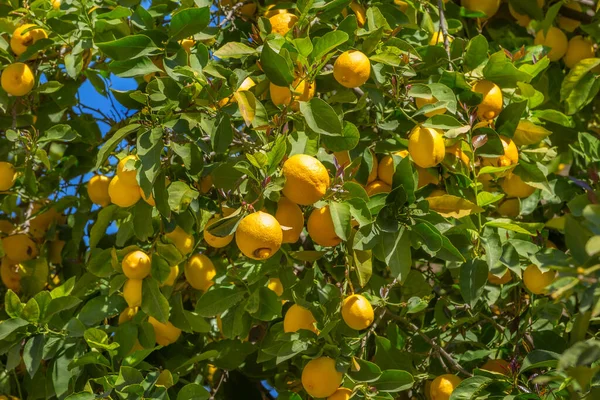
point(376, 187)
point(187, 44)
point(438, 38)
point(215, 241)
point(488, 7)
point(173, 273)
point(421, 102)
point(282, 23)
point(276, 286)
point(321, 229)
point(302, 90)
point(306, 179)
point(357, 312)
point(510, 208)
point(10, 274)
point(536, 281)
point(569, 24)
point(40, 224)
point(182, 240)
point(128, 314)
point(246, 85)
point(341, 394)
point(20, 248)
point(298, 317)
point(132, 292)
point(443, 386)
point(122, 194)
point(320, 378)
point(385, 169)
point(523, 19)
point(55, 251)
point(555, 39)
point(510, 157)
point(97, 189)
point(578, 49)
point(8, 176)
point(165, 334)
point(360, 12)
point(352, 69)
point(136, 265)
point(290, 215)
point(56, 4)
point(21, 40)
point(514, 186)
point(6, 226)
point(459, 154)
point(493, 279)
point(128, 177)
point(500, 366)
point(17, 79)
point(199, 272)
point(426, 146)
point(259, 236)
point(491, 104)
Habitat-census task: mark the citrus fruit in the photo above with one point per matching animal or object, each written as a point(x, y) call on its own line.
point(320, 228)
point(246, 85)
point(488, 7)
point(555, 39)
point(259, 236)
point(320, 378)
point(128, 314)
point(510, 157)
point(17, 79)
point(341, 394)
point(352, 69)
point(187, 44)
point(20, 248)
point(215, 241)
point(132, 292)
point(282, 23)
point(199, 272)
point(8, 176)
point(39, 225)
point(127, 176)
point(55, 249)
point(491, 104)
point(276, 286)
point(510, 208)
point(173, 273)
point(569, 24)
point(523, 19)
point(536, 281)
point(21, 40)
point(500, 366)
point(10, 274)
point(206, 183)
point(421, 102)
point(136, 265)
point(426, 146)
point(437, 38)
point(290, 215)
point(182, 240)
point(6, 226)
point(97, 189)
point(458, 153)
point(342, 158)
point(386, 168)
point(443, 386)
point(402, 5)
point(360, 12)
point(122, 194)
point(494, 280)
point(165, 334)
point(514, 186)
point(306, 179)
point(298, 317)
point(56, 4)
point(578, 49)
point(376, 187)
point(302, 90)
point(357, 312)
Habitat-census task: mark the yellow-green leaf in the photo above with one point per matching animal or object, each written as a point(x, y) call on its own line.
point(452, 206)
point(529, 133)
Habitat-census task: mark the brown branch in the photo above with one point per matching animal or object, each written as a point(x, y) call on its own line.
point(444, 29)
point(585, 17)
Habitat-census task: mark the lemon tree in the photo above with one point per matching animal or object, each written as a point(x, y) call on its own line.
point(319, 199)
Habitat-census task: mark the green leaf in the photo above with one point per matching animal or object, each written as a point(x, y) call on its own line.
point(530, 229)
point(31, 312)
point(476, 53)
point(368, 372)
point(10, 325)
point(327, 43)
point(180, 196)
point(502, 71)
point(98, 231)
point(188, 22)
point(473, 276)
point(128, 47)
point(12, 304)
point(60, 304)
point(32, 354)
point(149, 148)
point(395, 249)
point(363, 260)
point(321, 117)
point(215, 302)
point(193, 391)
point(346, 141)
point(100, 307)
point(223, 134)
point(470, 388)
point(59, 133)
point(340, 214)
point(539, 359)
point(393, 380)
point(154, 302)
point(276, 66)
point(234, 50)
point(135, 67)
point(111, 144)
point(509, 118)
point(269, 305)
point(580, 86)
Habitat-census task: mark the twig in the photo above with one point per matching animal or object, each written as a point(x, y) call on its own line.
point(212, 397)
point(444, 29)
point(590, 3)
point(229, 16)
point(585, 17)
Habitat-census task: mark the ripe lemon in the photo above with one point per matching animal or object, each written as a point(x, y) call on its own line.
point(259, 236)
point(6, 226)
point(165, 334)
point(500, 366)
point(306, 179)
point(377, 187)
point(320, 228)
point(510, 157)
point(55, 249)
point(215, 241)
point(282, 23)
point(302, 90)
point(459, 154)
point(341, 394)
point(443, 386)
point(128, 177)
point(247, 84)
point(578, 49)
point(491, 104)
point(19, 42)
point(426, 146)
point(437, 38)
point(386, 169)
point(56, 4)
point(320, 378)
point(421, 102)
point(132, 292)
point(122, 194)
point(290, 215)
point(136, 265)
point(510, 208)
point(170, 281)
point(360, 12)
point(514, 186)
point(523, 19)
point(187, 44)
point(402, 5)
point(357, 312)
point(494, 280)
point(40, 224)
point(555, 39)
point(182, 240)
point(10, 274)
point(352, 69)
point(199, 272)
point(8, 175)
point(488, 7)
point(17, 79)
point(128, 314)
point(568, 24)
point(536, 281)
point(20, 248)
point(298, 317)
point(97, 189)
point(276, 286)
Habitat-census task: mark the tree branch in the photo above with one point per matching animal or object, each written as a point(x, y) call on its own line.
point(585, 17)
point(444, 29)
